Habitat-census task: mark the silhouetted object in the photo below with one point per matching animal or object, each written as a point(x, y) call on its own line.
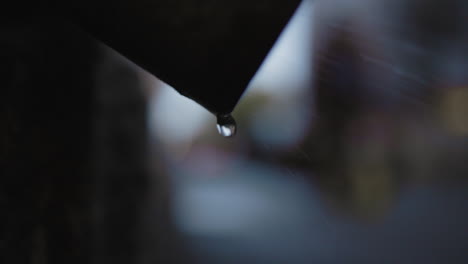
point(75, 186)
point(207, 50)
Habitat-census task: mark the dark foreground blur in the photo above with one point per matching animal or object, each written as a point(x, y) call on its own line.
point(360, 156)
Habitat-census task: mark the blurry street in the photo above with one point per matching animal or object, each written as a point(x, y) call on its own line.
point(351, 143)
point(259, 214)
point(315, 176)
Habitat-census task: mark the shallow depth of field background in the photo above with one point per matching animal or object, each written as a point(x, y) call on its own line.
point(351, 146)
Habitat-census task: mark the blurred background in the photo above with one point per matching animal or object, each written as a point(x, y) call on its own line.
point(352, 143)
point(352, 147)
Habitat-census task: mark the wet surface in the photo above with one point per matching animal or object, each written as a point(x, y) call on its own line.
point(226, 125)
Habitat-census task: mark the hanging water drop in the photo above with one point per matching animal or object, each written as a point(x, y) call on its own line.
point(226, 125)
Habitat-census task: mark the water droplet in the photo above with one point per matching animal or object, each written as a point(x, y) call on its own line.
point(226, 125)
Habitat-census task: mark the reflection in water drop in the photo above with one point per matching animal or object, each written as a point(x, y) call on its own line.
point(226, 125)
